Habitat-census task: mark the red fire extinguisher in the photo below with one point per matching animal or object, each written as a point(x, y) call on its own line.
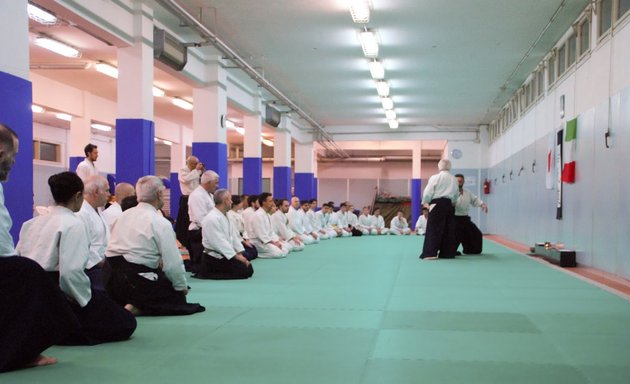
point(486, 187)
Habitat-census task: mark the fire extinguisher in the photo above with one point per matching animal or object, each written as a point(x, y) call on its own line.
point(486, 187)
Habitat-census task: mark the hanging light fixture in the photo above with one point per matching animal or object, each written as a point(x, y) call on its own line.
point(37, 109)
point(390, 114)
point(393, 124)
point(106, 69)
point(40, 15)
point(377, 70)
point(101, 127)
point(387, 102)
point(267, 142)
point(360, 11)
point(369, 43)
point(382, 88)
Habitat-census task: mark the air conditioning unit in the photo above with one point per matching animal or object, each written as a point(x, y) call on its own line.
point(168, 50)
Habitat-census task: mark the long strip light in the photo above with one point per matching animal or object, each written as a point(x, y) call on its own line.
point(369, 43)
point(377, 70)
point(267, 142)
point(390, 114)
point(360, 11)
point(37, 109)
point(101, 127)
point(57, 46)
point(106, 69)
point(40, 15)
point(240, 130)
point(183, 104)
point(157, 92)
point(63, 116)
point(229, 124)
point(382, 88)
point(393, 124)
point(387, 102)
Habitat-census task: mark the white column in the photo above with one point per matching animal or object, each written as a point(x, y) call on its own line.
point(251, 141)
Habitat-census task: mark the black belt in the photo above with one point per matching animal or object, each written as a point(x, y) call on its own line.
point(435, 201)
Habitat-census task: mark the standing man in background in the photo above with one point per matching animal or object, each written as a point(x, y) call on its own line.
point(188, 180)
point(86, 168)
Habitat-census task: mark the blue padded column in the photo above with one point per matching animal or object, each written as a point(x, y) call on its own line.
point(135, 149)
point(304, 185)
point(416, 201)
point(214, 157)
point(252, 175)
point(282, 182)
point(73, 162)
point(16, 96)
point(314, 194)
point(176, 193)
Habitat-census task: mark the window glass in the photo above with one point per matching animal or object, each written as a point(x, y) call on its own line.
point(48, 151)
point(562, 52)
point(585, 37)
point(572, 46)
point(605, 16)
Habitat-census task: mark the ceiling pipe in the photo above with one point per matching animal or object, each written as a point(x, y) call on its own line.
point(322, 136)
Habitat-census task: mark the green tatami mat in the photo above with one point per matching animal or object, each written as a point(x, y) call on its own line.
point(367, 310)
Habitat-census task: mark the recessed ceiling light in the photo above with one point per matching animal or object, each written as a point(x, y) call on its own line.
point(57, 47)
point(63, 116)
point(101, 127)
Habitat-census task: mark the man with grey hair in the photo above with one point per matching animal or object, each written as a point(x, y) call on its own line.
point(200, 203)
point(439, 197)
point(113, 212)
point(95, 196)
point(188, 180)
point(222, 257)
point(143, 240)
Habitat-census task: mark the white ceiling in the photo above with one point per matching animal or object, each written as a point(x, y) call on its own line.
point(449, 63)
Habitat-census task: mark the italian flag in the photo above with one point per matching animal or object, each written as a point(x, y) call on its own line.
point(568, 169)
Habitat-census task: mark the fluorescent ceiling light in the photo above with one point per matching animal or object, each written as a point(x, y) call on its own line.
point(229, 124)
point(63, 116)
point(387, 102)
point(157, 92)
point(106, 69)
point(360, 11)
point(184, 104)
point(382, 88)
point(57, 47)
point(393, 124)
point(390, 114)
point(267, 142)
point(377, 70)
point(240, 130)
point(40, 15)
point(169, 143)
point(37, 109)
point(369, 43)
point(101, 127)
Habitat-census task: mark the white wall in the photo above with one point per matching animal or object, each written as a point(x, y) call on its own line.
point(596, 215)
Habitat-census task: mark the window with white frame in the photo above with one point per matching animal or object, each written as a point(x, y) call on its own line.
point(584, 36)
point(604, 16)
point(623, 6)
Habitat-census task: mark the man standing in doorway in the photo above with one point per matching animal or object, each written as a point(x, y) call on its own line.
point(86, 168)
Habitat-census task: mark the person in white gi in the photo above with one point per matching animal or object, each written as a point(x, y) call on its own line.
point(147, 270)
point(440, 196)
point(280, 223)
point(95, 196)
point(378, 223)
point(399, 225)
point(59, 243)
point(86, 168)
point(314, 221)
point(365, 221)
point(324, 217)
point(235, 217)
point(36, 314)
point(263, 237)
point(248, 214)
point(340, 221)
point(298, 222)
point(188, 178)
point(466, 232)
point(222, 257)
point(200, 203)
point(351, 218)
point(113, 212)
point(421, 223)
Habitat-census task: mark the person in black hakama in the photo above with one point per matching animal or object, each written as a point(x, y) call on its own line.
point(466, 232)
point(440, 196)
point(147, 273)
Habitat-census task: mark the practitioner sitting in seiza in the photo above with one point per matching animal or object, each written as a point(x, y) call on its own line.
point(280, 224)
point(40, 315)
point(365, 221)
point(324, 216)
point(235, 217)
point(59, 243)
point(378, 223)
point(222, 257)
point(421, 224)
point(142, 240)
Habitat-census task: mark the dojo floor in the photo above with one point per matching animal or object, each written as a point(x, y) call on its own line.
point(366, 310)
